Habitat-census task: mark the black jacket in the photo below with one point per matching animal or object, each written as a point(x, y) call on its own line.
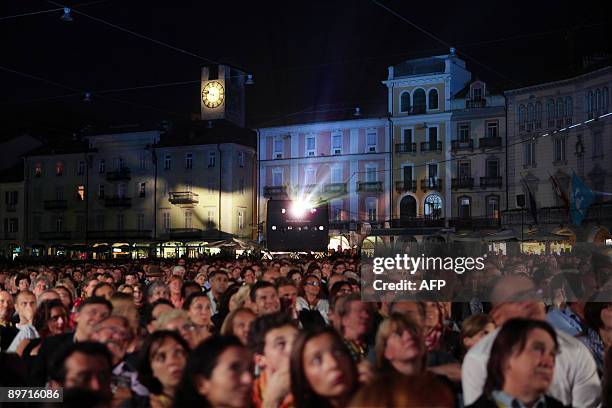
point(49, 346)
point(486, 402)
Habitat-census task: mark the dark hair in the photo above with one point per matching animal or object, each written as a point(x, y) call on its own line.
point(201, 362)
point(22, 276)
point(148, 310)
point(244, 270)
point(259, 285)
point(95, 300)
point(145, 372)
point(224, 302)
point(43, 314)
point(187, 303)
point(67, 291)
point(511, 339)
point(256, 338)
point(593, 308)
point(215, 273)
point(57, 368)
point(189, 284)
point(305, 396)
point(101, 285)
point(282, 281)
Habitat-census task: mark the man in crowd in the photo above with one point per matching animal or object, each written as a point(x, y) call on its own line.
point(25, 304)
point(218, 284)
point(265, 297)
point(7, 329)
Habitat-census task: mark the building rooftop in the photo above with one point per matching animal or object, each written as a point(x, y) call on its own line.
point(207, 132)
point(420, 66)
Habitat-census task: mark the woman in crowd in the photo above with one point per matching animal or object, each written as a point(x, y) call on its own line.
point(162, 360)
point(138, 295)
point(218, 374)
point(322, 370)
point(521, 366)
point(179, 321)
point(598, 334)
point(198, 307)
point(438, 337)
point(400, 347)
point(65, 295)
point(237, 324)
point(474, 328)
point(311, 296)
point(50, 319)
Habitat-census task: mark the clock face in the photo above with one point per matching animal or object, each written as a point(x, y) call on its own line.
point(213, 94)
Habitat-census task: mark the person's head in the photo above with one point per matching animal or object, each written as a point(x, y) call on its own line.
point(115, 333)
point(474, 328)
point(522, 359)
point(198, 307)
point(84, 365)
point(6, 306)
point(89, 313)
point(265, 297)
point(178, 320)
point(65, 296)
point(188, 288)
point(175, 284)
point(333, 279)
point(88, 286)
point(400, 346)
point(22, 281)
point(50, 318)
point(130, 278)
point(515, 296)
point(163, 357)
point(287, 292)
point(311, 285)
point(39, 285)
point(296, 276)
point(237, 323)
point(270, 339)
point(218, 283)
point(392, 391)
point(25, 305)
point(104, 290)
point(138, 294)
point(248, 275)
point(218, 374)
point(270, 275)
point(179, 270)
point(157, 290)
point(434, 316)
point(48, 294)
point(323, 373)
point(355, 317)
point(154, 310)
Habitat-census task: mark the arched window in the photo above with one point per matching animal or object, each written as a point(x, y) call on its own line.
point(560, 108)
point(493, 207)
point(598, 100)
point(521, 114)
point(538, 111)
point(569, 106)
point(418, 100)
point(433, 99)
point(530, 113)
point(550, 109)
point(605, 96)
point(433, 206)
point(405, 102)
point(590, 101)
point(465, 205)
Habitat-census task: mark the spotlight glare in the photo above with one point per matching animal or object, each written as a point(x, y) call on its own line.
point(274, 228)
point(321, 228)
point(299, 208)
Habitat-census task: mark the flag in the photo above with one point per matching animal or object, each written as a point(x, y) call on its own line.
point(559, 191)
point(533, 208)
point(580, 200)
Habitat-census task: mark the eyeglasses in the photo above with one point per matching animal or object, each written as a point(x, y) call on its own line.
point(312, 283)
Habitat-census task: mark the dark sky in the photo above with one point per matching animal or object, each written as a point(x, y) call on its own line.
point(313, 55)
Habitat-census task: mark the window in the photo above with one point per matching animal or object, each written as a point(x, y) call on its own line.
point(142, 160)
point(81, 167)
point(278, 148)
point(101, 191)
point(59, 193)
point(464, 132)
point(99, 222)
point(212, 159)
point(560, 149)
point(530, 113)
point(464, 207)
point(142, 190)
point(166, 221)
point(210, 218)
point(371, 137)
point(418, 98)
point(120, 222)
point(597, 100)
point(529, 158)
point(371, 174)
point(476, 94)
point(433, 99)
point(521, 114)
point(407, 172)
point(240, 219)
point(167, 162)
point(407, 135)
point(59, 169)
point(492, 129)
point(241, 159)
point(605, 96)
point(81, 193)
point(432, 172)
point(210, 187)
point(241, 186)
point(277, 177)
point(492, 168)
point(11, 225)
point(433, 137)
point(336, 174)
point(311, 147)
point(433, 206)
point(597, 145)
point(493, 207)
point(310, 176)
point(188, 160)
point(550, 112)
point(121, 189)
point(102, 166)
point(560, 108)
point(188, 219)
point(372, 209)
point(589, 103)
point(538, 115)
point(569, 106)
point(336, 210)
point(464, 170)
point(405, 102)
point(11, 198)
point(141, 222)
point(59, 223)
point(336, 143)
point(38, 170)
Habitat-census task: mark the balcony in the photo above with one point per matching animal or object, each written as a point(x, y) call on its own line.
point(335, 188)
point(343, 226)
point(55, 204)
point(184, 233)
point(183, 198)
point(369, 186)
point(118, 202)
point(462, 182)
point(275, 191)
point(556, 216)
point(123, 173)
point(119, 234)
point(11, 207)
point(431, 146)
point(405, 185)
point(54, 235)
point(476, 103)
point(487, 142)
point(418, 222)
point(431, 184)
point(462, 145)
point(486, 182)
point(405, 148)
point(473, 223)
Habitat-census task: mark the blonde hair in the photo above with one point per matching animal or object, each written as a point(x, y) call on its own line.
point(170, 315)
point(227, 328)
point(241, 297)
point(393, 324)
point(474, 324)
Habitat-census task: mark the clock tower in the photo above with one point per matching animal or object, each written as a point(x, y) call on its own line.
point(222, 94)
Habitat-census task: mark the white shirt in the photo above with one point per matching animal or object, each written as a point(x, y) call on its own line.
point(575, 381)
point(322, 307)
point(27, 331)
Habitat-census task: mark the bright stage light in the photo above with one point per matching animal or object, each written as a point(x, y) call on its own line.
point(299, 208)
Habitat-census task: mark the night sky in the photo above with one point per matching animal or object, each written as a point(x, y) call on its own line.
point(306, 56)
